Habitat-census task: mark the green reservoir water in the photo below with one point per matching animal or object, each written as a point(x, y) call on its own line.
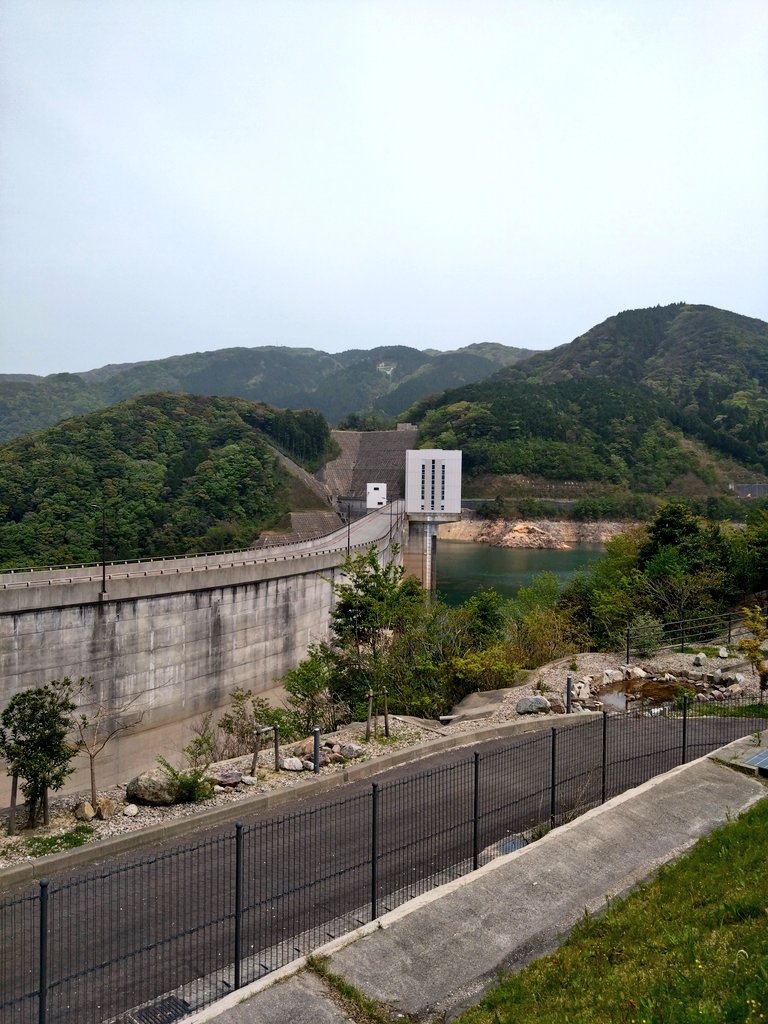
point(463, 567)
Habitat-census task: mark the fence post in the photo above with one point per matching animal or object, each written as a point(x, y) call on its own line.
point(568, 694)
point(277, 747)
point(42, 1004)
point(730, 628)
point(374, 850)
point(604, 780)
point(627, 661)
point(370, 715)
point(682, 636)
point(386, 713)
point(552, 779)
point(316, 749)
point(476, 814)
point(12, 811)
point(685, 729)
point(238, 900)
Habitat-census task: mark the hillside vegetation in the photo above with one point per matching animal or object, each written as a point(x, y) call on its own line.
point(383, 380)
point(174, 473)
point(690, 945)
point(617, 404)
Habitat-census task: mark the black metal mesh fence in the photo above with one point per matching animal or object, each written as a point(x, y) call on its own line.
point(160, 937)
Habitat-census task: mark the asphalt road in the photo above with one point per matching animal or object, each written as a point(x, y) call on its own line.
point(136, 928)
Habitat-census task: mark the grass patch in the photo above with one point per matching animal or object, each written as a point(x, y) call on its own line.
point(351, 999)
point(39, 846)
point(711, 652)
point(690, 946)
point(379, 738)
point(745, 711)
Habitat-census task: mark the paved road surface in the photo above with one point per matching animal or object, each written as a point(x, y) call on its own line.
point(140, 926)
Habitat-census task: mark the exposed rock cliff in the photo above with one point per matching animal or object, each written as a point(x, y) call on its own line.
point(530, 533)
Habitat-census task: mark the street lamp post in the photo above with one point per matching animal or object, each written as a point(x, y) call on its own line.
point(101, 509)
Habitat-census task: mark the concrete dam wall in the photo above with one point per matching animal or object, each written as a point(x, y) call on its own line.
point(179, 635)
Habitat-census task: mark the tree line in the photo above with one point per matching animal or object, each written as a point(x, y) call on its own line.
point(172, 474)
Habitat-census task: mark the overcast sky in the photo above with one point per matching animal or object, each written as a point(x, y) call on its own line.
point(183, 175)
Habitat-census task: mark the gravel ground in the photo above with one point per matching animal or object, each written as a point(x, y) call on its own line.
point(550, 679)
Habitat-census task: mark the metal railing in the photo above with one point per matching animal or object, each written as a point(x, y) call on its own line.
point(357, 536)
point(167, 934)
point(718, 630)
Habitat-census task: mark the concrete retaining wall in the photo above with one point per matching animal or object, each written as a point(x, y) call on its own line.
point(179, 638)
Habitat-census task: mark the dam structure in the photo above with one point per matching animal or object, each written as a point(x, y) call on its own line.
point(177, 634)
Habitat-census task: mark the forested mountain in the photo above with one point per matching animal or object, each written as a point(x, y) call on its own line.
point(383, 380)
point(174, 473)
point(620, 403)
point(712, 365)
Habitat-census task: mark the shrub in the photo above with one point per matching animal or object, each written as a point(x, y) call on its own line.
point(646, 634)
point(247, 713)
point(191, 783)
point(310, 698)
point(489, 669)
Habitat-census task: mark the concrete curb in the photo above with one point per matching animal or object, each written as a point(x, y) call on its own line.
point(102, 849)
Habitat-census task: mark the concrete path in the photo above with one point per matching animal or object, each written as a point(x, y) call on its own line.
point(438, 954)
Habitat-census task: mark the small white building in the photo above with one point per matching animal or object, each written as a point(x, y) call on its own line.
point(376, 496)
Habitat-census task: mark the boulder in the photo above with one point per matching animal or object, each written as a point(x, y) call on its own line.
point(248, 780)
point(700, 658)
point(130, 810)
point(556, 705)
point(723, 653)
point(532, 706)
point(634, 672)
point(351, 750)
point(731, 678)
point(291, 764)
point(155, 787)
point(612, 675)
point(225, 777)
point(84, 811)
point(323, 761)
point(105, 808)
point(581, 690)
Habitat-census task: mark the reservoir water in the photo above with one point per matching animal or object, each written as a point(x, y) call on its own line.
point(464, 567)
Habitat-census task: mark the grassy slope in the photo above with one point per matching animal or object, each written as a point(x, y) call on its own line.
point(690, 946)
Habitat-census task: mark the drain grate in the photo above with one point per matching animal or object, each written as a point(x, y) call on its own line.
point(168, 1010)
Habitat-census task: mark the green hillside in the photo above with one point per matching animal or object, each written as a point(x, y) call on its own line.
point(384, 380)
point(712, 366)
point(174, 473)
point(642, 400)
